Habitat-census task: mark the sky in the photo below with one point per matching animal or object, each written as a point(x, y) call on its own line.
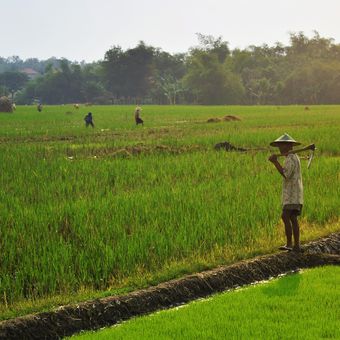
point(86, 29)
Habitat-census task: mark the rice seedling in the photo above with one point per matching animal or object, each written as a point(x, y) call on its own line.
point(299, 306)
point(120, 206)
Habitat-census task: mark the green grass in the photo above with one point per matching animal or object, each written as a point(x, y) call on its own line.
point(300, 306)
point(81, 217)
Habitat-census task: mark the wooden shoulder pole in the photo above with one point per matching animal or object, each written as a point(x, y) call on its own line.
point(308, 147)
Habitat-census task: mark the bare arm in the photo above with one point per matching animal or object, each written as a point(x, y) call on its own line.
point(273, 159)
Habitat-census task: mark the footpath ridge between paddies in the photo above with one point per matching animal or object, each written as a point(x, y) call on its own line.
point(111, 310)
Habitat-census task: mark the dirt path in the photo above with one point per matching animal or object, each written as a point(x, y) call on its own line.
point(108, 311)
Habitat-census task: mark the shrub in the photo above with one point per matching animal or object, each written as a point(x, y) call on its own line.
point(5, 105)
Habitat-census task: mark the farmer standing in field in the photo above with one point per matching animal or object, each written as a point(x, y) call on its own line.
point(138, 119)
point(88, 120)
point(292, 190)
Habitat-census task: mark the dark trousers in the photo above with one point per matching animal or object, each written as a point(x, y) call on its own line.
point(139, 121)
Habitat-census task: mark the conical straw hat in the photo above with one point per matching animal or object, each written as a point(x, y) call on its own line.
point(284, 139)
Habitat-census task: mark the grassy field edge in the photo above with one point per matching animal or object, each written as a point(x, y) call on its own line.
point(171, 271)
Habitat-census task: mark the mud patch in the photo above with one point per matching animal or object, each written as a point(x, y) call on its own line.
point(95, 314)
point(227, 147)
point(228, 118)
point(214, 120)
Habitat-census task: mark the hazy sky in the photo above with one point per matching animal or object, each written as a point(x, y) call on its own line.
point(84, 29)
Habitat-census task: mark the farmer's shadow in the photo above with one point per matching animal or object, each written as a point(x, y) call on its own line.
point(284, 286)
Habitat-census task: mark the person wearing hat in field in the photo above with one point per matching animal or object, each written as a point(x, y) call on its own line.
point(292, 190)
point(138, 119)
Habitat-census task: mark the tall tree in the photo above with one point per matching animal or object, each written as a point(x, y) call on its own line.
point(129, 73)
point(209, 75)
point(13, 81)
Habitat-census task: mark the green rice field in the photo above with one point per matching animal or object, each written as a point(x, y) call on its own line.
point(92, 212)
point(300, 306)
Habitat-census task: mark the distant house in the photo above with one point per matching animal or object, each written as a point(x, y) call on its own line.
point(32, 74)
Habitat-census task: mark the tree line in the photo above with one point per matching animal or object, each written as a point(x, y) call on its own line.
point(306, 71)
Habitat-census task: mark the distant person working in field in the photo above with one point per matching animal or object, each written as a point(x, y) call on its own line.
point(89, 120)
point(292, 191)
point(138, 119)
